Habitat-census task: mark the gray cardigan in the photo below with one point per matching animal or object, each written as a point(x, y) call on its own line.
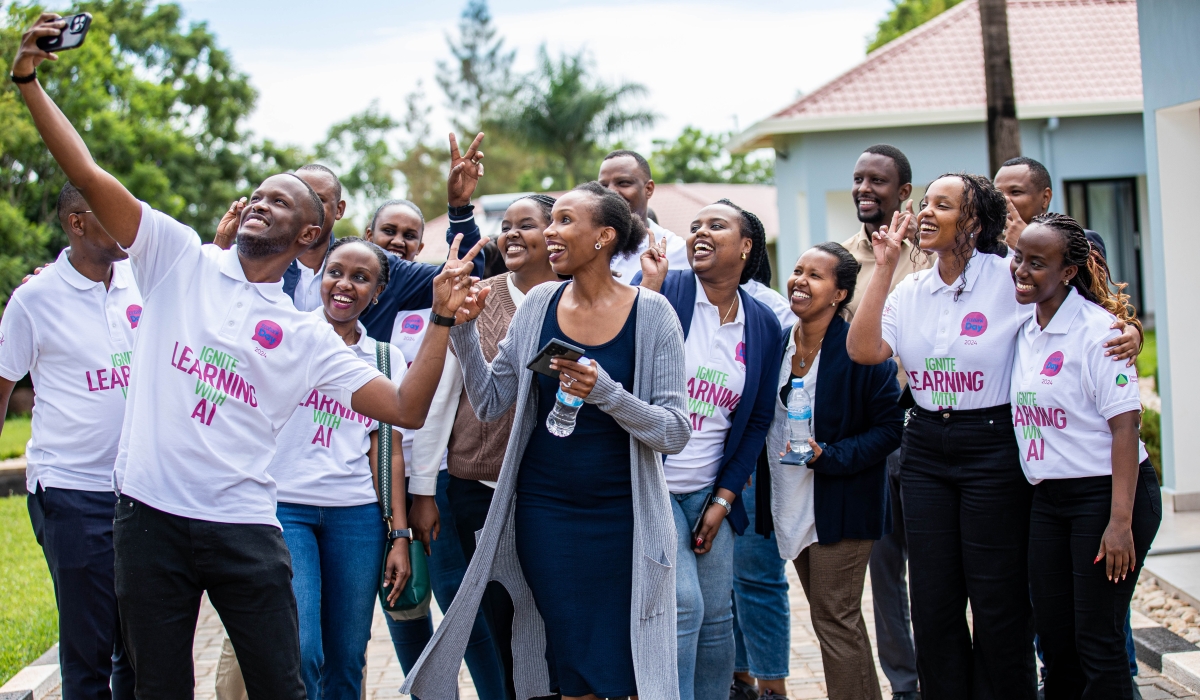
point(655, 415)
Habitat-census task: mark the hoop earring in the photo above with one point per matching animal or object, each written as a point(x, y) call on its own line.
point(598, 245)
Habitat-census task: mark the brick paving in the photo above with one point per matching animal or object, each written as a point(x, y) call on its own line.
point(806, 681)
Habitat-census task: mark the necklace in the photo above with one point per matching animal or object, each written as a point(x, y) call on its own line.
point(808, 355)
point(731, 305)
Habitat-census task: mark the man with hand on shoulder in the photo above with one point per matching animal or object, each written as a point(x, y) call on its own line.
point(223, 360)
point(89, 295)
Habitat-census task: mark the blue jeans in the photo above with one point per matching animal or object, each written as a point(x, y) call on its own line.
point(336, 557)
point(447, 564)
point(762, 621)
point(704, 599)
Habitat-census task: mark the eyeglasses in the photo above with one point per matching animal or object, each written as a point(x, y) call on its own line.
point(85, 211)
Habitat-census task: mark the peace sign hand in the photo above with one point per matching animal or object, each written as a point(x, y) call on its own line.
point(465, 171)
point(453, 284)
point(654, 263)
point(886, 241)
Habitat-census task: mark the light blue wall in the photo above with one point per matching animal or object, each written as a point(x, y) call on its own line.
point(1168, 32)
point(1083, 147)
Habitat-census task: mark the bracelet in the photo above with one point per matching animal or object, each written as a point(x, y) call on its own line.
point(440, 320)
point(721, 501)
point(400, 534)
point(22, 79)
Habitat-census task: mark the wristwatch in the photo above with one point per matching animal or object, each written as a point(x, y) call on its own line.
point(440, 320)
point(723, 502)
point(400, 534)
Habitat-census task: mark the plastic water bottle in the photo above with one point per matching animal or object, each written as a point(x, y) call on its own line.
point(561, 421)
point(799, 411)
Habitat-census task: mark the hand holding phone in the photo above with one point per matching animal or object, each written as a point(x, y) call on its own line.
point(555, 348)
point(71, 36)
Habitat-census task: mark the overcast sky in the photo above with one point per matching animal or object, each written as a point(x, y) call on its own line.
point(709, 63)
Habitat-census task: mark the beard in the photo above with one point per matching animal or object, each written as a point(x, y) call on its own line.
point(876, 218)
point(262, 245)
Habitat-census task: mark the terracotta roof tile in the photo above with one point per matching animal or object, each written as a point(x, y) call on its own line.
point(1063, 51)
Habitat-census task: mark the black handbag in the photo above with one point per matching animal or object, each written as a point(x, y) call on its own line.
point(413, 602)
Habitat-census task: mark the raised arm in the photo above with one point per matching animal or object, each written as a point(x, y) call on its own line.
point(864, 342)
point(406, 405)
point(118, 211)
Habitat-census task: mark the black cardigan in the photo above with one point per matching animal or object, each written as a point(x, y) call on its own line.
point(858, 423)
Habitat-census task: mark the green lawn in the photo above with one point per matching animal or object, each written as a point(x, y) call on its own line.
point(14, 437)
point(28, 617)
point(1147, 362)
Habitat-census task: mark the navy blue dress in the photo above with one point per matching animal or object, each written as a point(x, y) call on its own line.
point(574, 537)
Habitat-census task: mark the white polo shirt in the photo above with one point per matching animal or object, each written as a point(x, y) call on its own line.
point(307, 295)
point(75, 338)
point(630, 265)
point(1064, 390)
point(957, 353)
point(222, 364)
point(716, 371)
point(407, 335)
point(322, 458)
point(773, 299)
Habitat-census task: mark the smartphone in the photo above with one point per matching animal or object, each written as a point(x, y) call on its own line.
point(555, 348)
point(72, 35)
point(708, 501)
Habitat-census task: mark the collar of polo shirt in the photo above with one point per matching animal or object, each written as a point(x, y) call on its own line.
point(1063, 318)
point(231, 266)
point(121, 277)
point(937, 284)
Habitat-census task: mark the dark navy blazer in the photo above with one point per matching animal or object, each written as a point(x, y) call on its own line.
point(858, 423)
point(410, 284)
point(751, 419)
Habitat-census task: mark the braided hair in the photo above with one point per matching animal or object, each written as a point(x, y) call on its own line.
point(611, 209)
point(758, 265)
point(1092, 278)
point(544, 202)
point(384, 267)
point(982, 216)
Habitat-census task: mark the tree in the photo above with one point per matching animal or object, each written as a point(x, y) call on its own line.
point(424, 161)
point(699, 157)
point(357, 149)
point(481, 75)
point(906, 15)
point(563, 113)
point(160, 106)
point(1004, 132)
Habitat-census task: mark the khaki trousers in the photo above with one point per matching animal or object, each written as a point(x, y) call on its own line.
point(833, 576)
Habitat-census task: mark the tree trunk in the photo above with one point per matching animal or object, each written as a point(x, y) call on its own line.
point(1004, 134)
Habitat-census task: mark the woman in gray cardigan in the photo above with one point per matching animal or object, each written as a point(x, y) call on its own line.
point(591, 531)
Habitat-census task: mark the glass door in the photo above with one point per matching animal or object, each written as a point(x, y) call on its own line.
point(1109, 207)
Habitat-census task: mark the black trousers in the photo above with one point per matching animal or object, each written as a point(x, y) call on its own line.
point(470, 501)
point(1080, 614)
point(966, 515)
point(75, 530)
point(165, 562)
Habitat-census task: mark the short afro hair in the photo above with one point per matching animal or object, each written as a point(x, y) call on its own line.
point(902, 165)
point(316, 200)
point(318, 168)
point(1038, 175)
point(398, 203)
point(643, 165)
point(70, 201)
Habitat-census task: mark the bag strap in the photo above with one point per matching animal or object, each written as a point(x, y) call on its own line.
point(383, 360)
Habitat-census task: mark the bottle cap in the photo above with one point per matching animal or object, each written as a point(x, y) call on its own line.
point(584, 361)
point(798, 383)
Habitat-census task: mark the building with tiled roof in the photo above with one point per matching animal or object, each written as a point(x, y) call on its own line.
point(1078, 83)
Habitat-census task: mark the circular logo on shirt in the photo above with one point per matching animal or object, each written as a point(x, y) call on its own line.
point(1122, 380)
point(134, 313)
point(1054, 364)
point(974, 324)
point(268, 334)
point(412, 325)
point(739, 353)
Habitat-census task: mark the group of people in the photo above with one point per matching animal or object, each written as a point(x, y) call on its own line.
point(975, 429)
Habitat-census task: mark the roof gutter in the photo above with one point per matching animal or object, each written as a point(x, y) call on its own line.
point(761, 134)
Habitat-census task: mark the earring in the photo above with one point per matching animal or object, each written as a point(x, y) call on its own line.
point(598, 245)
point(375, 301)
point(1066, 283)
point(743, 256)
point(833, 303)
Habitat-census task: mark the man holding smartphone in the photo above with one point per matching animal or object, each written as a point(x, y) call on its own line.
point(196, 510)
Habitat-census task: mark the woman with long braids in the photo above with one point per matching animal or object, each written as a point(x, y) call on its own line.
point(1096, 502)
point(580, 531)
point(732, 345)
point(966, 502)
point(325, 471)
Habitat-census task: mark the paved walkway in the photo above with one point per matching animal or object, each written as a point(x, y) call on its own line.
point(384, 674)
